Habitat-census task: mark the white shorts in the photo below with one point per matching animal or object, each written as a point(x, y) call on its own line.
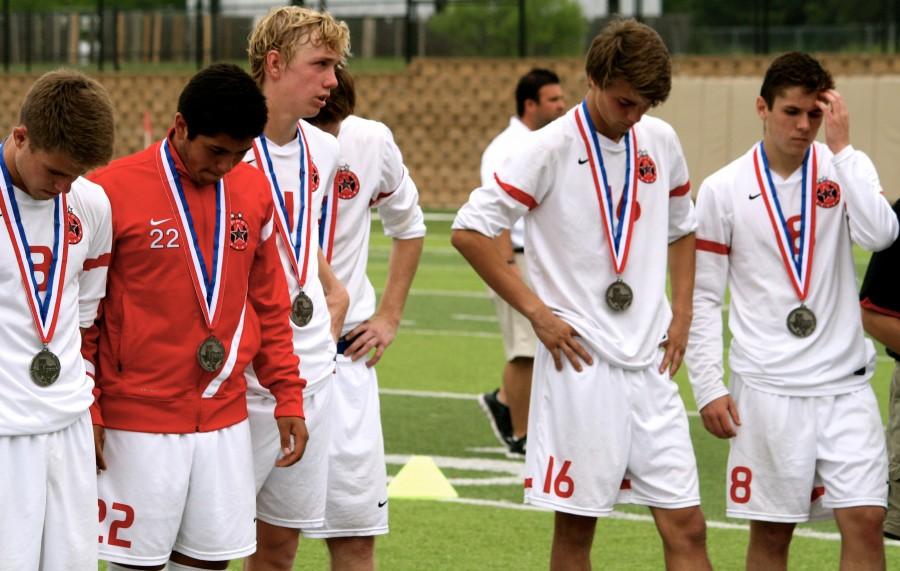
point(191, 493)
point(604, 436)
point(48, 500)
point(357, 477)
point(519, 339)
point(795, 459)
point(292, 497)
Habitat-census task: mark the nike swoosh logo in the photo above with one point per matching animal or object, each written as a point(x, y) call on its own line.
point(382, 504)
point(582, 161)
point(752, 196)
point(158, 222)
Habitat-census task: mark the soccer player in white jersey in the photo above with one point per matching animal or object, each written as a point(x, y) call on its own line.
point(604, 192)
point(371, 175)
point(539, 100)
point(55, 248)
point(293, 53)
point(777, 226)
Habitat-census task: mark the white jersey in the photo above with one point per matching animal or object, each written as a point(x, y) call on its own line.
point(550, 181)
point(313, 342)
point(370, 174)
point(26, 408)
point(736, 247)
point(496, 152)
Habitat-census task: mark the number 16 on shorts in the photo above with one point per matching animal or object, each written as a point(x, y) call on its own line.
point(559, 482)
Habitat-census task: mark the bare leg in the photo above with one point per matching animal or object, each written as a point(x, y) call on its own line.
point(683, 533)
point(352, 553)
point(862, 546)
point(573, 536)
point(516, 392)
point(276, 548)
point(769, 545)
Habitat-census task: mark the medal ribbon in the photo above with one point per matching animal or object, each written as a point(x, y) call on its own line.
point(44, 310)
point(799, 264)
point(207, 284)
point(300, 241)
point(619, 226)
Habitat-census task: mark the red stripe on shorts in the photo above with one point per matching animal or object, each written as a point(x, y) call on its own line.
point(817, 493)
point(528, 482)
point(626, 484)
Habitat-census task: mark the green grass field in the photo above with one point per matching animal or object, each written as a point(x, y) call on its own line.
point(447, 352)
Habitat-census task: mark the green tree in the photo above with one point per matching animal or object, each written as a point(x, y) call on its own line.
point(491, 28)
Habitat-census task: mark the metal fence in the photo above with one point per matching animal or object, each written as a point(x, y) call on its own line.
point(115, 39)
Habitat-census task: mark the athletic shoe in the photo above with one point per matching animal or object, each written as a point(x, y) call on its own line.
point(516, 447)
point(498, 415)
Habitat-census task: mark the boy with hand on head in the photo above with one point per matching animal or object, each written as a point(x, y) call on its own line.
point(777, 226)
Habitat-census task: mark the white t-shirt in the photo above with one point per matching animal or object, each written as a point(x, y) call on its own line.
point(313, 342)
point(549, 181)
point(736, 247)
point(371, 174)
point(26, 408)
point(501, 147)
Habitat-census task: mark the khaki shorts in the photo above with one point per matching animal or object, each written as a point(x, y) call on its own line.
point(519, 339)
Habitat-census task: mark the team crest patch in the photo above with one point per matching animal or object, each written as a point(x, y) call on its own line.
point(239, 232)
point(646, 168)
point(74, 231)
point(346, 183)
point(314, 178)
point(828, 193)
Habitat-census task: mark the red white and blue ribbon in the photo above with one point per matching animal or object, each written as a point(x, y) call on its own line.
point(618, 223)
point(44, 308)
point(207, 279)
point(328, 222)
point(294, 223)
point(798, 262)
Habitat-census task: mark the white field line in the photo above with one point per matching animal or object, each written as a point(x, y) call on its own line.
point(437, 250)
point(453, 333)
point(801, 532)
point(473, 317)
point(447, 395)
point(446, 293)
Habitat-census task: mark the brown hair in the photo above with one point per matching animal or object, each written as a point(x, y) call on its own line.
point(65, 111)
point(341, 102)
point(794, 69)
point(289, 27)
point(631, 51)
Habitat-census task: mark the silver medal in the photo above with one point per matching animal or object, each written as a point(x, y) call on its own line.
point(211, 354)
point(45, 368)
point(619, 296)
point(801, 321)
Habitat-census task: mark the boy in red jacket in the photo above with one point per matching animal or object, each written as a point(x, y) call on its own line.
point(193, 254)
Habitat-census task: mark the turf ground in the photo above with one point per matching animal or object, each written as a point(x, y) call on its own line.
point(447, 352)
